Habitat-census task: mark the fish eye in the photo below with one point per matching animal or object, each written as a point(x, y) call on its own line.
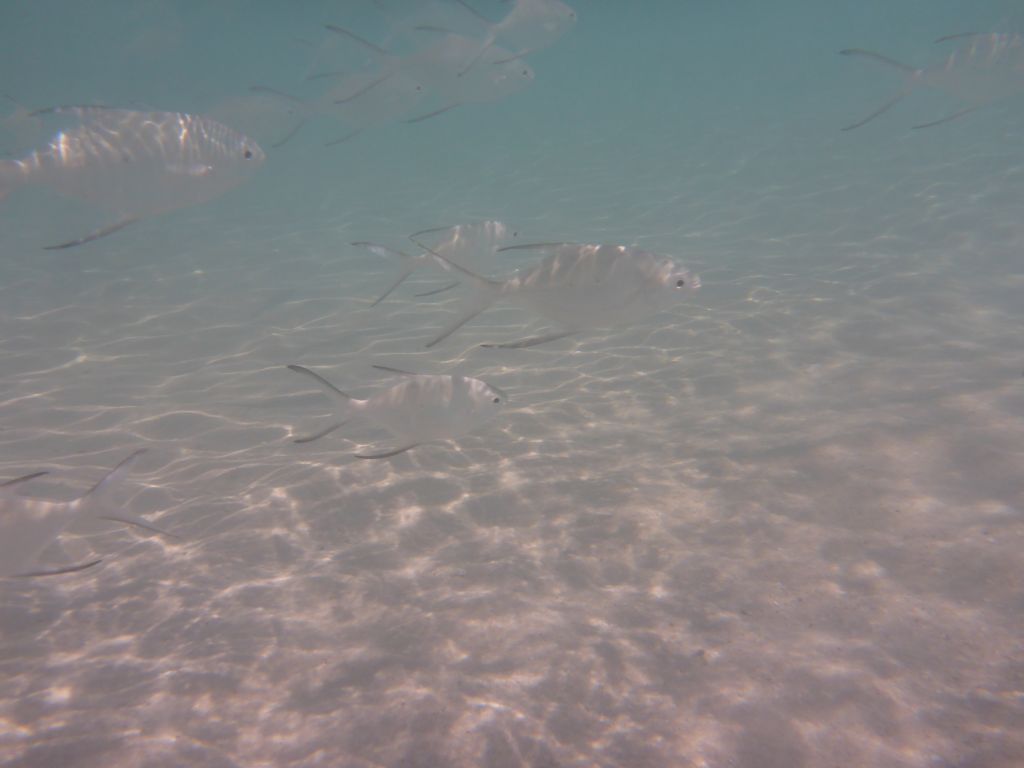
point(247, 154)
point(680, 283)
point(496, 400)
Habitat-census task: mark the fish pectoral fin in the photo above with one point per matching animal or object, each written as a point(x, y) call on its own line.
point(138, 522)
point(59, 571)
point(108, 230)
point(948, 118)
point(532, 341)
point(386, 454)
point(321, 433)
point(885, 107)
point(436, 291)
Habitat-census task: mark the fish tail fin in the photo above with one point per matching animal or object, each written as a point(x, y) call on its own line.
point(99, 500)
point(486, 293)
point(342, 399)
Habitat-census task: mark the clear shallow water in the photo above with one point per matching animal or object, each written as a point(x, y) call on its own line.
point(777, 526)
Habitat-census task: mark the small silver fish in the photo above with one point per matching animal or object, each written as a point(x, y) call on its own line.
point(422, 408)
point(136, 164)
point(981, 69)
point(29, 526)
point(582, 287)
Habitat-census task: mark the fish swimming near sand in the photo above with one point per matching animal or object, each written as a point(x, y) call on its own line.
point(981, 69)
point(581, 287)
point(28, 526)
point(422, 408)
point(134, 164)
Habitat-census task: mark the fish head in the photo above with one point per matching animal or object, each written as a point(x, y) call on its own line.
point(227, 156)
point(488, 401)
point(675, 282)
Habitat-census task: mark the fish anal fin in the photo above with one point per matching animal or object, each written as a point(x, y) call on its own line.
point(436, 291)
point(59, 571)
point(429, 115)
point(324, 383)
point(108, 230)
point(890, 62)
point(23, 479)
point(386, 454)
point(389, 369)
point(321, 433)
point(884, 108)
point(957, 36)
point(948, 118)
point(353, 36)
point(138, 522)
point(532, 341)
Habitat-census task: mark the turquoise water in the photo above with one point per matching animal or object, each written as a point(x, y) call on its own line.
point(777, 525)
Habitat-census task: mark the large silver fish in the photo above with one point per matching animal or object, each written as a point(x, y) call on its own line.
point(29, 526)
point(581, 287)
point(421, 409)
point(135, 164)
point(980, 70)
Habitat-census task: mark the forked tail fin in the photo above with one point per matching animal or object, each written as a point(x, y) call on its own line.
point(99, 500)
point(893, 64)
point(487, 292)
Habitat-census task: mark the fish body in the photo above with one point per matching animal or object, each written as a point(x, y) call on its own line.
point(137, 164)
point(529, 26)
point(585, 286)
point(422, 408)
point(29, 526)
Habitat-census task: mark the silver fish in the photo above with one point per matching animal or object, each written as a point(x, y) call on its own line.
point(981, 69)
point(136, 164)
point(422, 408)
point(29, 526)
point(580, 287)
point(463, 244)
